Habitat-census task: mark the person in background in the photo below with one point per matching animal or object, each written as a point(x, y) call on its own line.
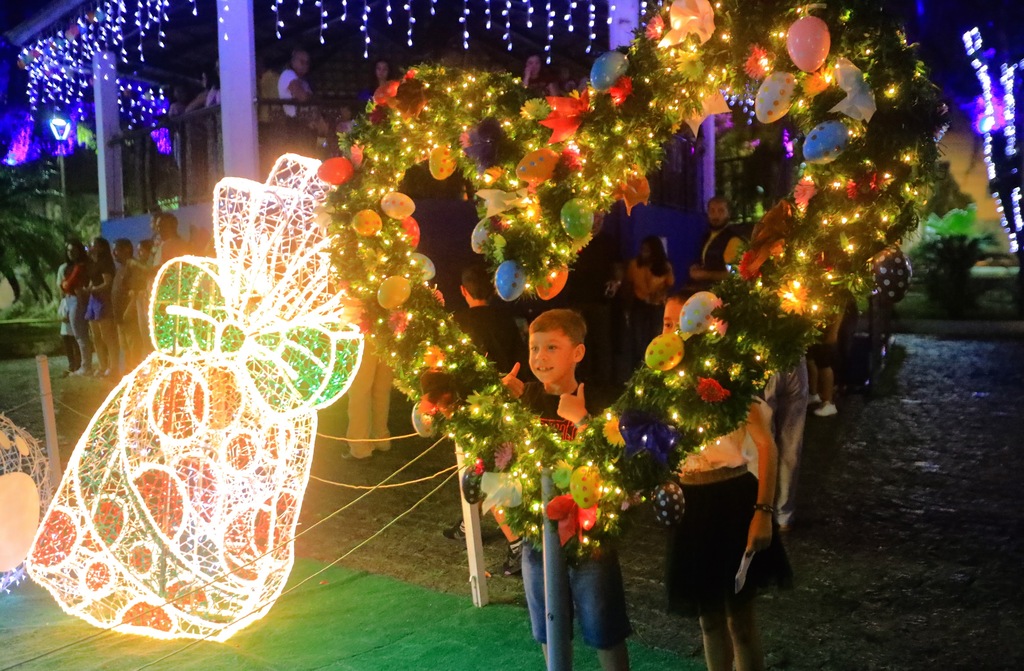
point(67, 335)
point(99, 311)
point(787, 394)
point(209, 96)
point(75, 286)
point(346, 123)
point(650, 278)
point(596, 595)
point(537, 79)
point(495, 334)
point(169, 245)
point(123, 302)
point(720, 249)
point(369, 401)
point(266, 86)
point(140, 285)
point(381, 76)
point(821, 361)
point(303, 124)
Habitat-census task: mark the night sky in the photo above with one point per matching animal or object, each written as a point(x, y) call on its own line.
point(936, 24)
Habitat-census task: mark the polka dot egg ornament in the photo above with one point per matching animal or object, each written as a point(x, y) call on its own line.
point(695, 316)
point(537, 167)
point(669, 504)
point(585, 486)
point(665, 352)
point(892, 274)
point(397, 205)
point(509, 281)
point(774, 97)
point(25, 485)
point(471, 488)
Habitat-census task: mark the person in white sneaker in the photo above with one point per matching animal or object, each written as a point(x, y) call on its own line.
point(821, 359)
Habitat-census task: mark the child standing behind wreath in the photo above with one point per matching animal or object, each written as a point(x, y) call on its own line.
point(727, 518)
point(598, 598)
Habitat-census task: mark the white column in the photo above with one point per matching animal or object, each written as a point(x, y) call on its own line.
point(237, 51)
point(625, 16)
point(108, 127)
point(707, 166)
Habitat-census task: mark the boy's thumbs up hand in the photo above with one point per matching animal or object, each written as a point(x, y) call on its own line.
point(514, 385)
point(573, 407)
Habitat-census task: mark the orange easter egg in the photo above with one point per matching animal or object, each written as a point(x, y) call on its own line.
point(552, 283)
point(537, 166)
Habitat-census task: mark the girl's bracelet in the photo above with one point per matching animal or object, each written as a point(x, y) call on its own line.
point(765, 508)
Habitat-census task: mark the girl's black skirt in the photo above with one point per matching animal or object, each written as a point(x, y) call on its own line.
point(706, 548)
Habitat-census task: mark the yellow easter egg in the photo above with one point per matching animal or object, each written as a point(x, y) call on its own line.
point(393, 292)
point(367, 223)
point(585, 486)
point(537, 166)
point(397, 205)
point(441, 163)
point(665, 352)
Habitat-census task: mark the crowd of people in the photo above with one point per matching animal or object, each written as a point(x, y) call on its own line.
point(105, 293)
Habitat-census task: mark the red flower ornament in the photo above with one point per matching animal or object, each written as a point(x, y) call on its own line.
point(710, 391)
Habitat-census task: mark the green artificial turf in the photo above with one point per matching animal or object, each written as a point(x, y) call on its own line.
point(340, 619)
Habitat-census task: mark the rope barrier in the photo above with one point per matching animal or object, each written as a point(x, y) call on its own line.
point(304, 580)
point(19, 406)
point(366, 440)
point(216, 578)
point(397, 484)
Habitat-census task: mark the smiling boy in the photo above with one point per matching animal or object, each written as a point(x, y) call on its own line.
point(595, 585)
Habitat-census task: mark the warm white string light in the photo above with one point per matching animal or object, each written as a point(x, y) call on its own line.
point(189, 478)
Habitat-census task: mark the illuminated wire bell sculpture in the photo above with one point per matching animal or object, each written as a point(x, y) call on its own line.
point(177, 510)
point(25, 492)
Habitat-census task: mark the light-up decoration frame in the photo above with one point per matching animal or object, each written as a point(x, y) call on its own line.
point(175, 514)
point(21, 453)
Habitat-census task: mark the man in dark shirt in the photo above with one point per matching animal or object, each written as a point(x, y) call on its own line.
point(491, 329)
point(720, 248)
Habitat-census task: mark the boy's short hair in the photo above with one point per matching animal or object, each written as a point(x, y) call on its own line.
point(124, 243)
point(568, 322)
point(477, 281)
point(146, 243)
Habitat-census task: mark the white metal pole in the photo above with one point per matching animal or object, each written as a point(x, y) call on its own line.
point(474, 543)
point(236, 47)
point(108, 127)
point(49, 420)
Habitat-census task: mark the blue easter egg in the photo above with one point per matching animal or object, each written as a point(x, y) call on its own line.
point(826, 142)
point(422, 422)
point(424, 265)
point(510, 281)
point(479, 236)
point(607, 69)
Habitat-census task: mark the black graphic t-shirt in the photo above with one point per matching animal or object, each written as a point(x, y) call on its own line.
point(546, 406)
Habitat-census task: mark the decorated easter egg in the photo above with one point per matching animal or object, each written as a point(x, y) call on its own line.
point(397, 205)
point(585, 486)
point(422, 422)
point(695, 316)
point(367, 223)
point(537, 166)
point(411, 229)
point(509, 281)
point(472, 490)
point(393, 292)
point(424, 265)
point(892, 274)
point(607, 69)
point(19, 497)
point(665, 352)
point(669, 504)
point(775, 97)
point(479, 236)
point(577, 218)
point(826, 142)
point(808, 42)
point(336, 170)
point(441, 163)
point(552, 283)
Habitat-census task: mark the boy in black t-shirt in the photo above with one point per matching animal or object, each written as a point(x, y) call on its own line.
point(595, 586)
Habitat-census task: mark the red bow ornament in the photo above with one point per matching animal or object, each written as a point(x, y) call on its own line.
point(572, 520)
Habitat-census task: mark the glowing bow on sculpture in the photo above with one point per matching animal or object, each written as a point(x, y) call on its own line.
point(177, 510)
